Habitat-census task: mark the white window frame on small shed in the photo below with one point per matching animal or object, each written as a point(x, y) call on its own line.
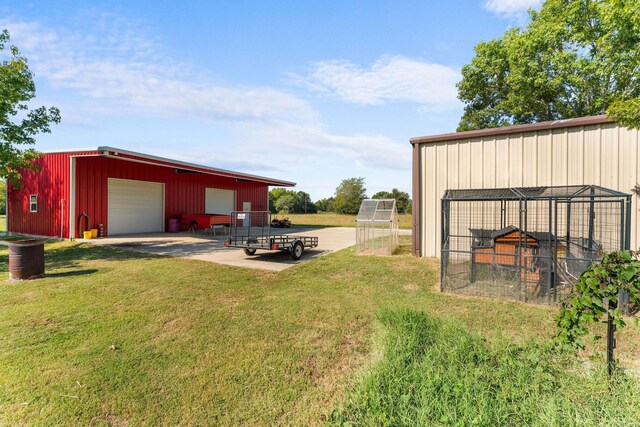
point(33, 203)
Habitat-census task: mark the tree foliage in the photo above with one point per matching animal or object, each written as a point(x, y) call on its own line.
point(403, 201)
point(289, 201)
point(325, 205)
point(596, 295)
point(3, 197)
point(286, 203)
point(18, 123)
point(274, 194)
point(575, 58)
point(349, 195)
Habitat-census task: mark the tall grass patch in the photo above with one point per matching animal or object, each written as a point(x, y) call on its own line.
point(434, 372)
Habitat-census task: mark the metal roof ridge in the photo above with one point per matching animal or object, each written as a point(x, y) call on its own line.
point(505, 130)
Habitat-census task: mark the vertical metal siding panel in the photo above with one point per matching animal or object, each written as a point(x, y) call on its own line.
point(489, 163)
point(559, 162)
point(427, 224)
point(442, 182)
point(453, 165)
point(453, 178)
point(591, 155)
point(515, 160)
point(627, 173)
point(609, 156)
point(477, 163)
point(430, 199)
point(503, 166)
point(575, 160)
point(529, 160)
point(464, 170)
point(544, 159)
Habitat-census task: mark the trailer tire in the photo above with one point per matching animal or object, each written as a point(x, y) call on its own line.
point(249, 251)
point(297, 249)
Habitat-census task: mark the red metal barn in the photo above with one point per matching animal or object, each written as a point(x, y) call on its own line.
point(126, 192)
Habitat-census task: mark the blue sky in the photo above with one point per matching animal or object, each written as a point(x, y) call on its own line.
point(308, 91)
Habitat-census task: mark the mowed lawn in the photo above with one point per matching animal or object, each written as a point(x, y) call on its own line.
point(116, 338)
point(335, 220)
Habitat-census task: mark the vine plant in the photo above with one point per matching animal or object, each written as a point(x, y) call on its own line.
point(596, 294)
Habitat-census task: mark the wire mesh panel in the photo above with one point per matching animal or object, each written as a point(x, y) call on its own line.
point(250, 228)
point(528, 244)
point(377, 227)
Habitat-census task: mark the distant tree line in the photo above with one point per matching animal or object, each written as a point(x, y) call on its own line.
point(286, 201)
point(346, 200)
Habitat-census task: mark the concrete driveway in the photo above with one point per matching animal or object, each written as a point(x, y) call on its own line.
point(204, 247)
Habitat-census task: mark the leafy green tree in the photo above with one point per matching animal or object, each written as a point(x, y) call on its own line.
point(286, 203)
point(349, 195)
point(575, 58)
point(304, 204)
point(325, 205)
point(18, 123)
point(596, 295)
point(403, 201)
point(3, 197)
point(293, 202)
point(275, 194)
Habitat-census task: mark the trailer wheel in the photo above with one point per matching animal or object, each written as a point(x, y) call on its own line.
point(297, 250)
point(249, 251)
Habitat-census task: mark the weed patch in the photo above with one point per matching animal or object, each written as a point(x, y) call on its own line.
point(434, 372)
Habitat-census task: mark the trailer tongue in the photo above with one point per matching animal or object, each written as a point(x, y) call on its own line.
point(252, 231)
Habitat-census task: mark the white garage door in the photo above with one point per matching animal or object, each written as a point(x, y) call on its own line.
point(218, 201)
point(135, 206)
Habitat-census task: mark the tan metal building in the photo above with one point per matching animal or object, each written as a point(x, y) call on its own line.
point(586, 150)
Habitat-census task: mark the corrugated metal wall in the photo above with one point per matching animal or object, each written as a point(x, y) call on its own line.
point(51, 187)
point(604, 154)
point(184, 192)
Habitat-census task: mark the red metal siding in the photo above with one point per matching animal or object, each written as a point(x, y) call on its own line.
point(51, 184)
point(184, 192)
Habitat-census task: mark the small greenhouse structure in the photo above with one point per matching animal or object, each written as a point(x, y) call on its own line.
point(528, 244)
point(377, 227)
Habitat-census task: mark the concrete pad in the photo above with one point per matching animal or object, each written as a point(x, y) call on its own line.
point(204, 247)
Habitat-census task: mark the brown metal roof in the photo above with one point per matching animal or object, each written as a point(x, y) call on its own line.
point(506, 130)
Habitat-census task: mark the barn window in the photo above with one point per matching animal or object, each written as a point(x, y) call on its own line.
point(33, 203)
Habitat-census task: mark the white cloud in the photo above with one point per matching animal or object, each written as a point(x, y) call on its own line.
point(317, 144)
point(119, 70)
point(121, 66)
point(390, 79)
point(511, 8)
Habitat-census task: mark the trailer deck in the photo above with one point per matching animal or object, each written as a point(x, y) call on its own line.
point(251, 231)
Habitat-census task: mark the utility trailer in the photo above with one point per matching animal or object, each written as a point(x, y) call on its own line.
point(252, 231)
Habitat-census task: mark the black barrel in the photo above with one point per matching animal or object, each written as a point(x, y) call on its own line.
point(26, 259)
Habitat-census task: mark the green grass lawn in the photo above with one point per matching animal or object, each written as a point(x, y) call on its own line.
point(336, 220)
point(114, 337)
